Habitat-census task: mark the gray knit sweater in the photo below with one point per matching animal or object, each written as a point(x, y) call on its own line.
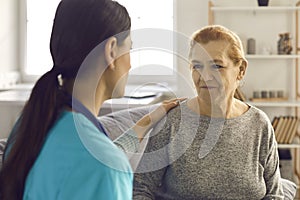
point(198, 157)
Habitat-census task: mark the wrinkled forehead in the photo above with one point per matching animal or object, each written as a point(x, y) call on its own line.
point(214, 50)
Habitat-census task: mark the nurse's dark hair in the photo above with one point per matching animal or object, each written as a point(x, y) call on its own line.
point(79, 26)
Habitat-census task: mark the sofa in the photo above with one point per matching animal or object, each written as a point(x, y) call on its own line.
point(118, 122)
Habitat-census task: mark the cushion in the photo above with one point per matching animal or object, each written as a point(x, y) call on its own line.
point(289, 189)
point(2, 147)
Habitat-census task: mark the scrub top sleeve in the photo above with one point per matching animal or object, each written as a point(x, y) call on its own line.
point(104, 183)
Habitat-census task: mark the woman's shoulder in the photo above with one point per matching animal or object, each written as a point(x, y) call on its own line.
point(246, 110)
point(177, 112)
point(258, 113)
point(260, 120)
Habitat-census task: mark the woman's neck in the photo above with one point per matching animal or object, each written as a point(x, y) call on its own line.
point(227, 108)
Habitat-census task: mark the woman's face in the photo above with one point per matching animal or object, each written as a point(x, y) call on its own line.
point(214, 74)
point(122, 67)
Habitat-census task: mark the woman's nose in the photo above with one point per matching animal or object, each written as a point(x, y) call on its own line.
point(206, 74)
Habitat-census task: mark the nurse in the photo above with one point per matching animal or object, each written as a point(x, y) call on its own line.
point(58, 149)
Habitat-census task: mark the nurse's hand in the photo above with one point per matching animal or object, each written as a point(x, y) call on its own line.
point(149, 120)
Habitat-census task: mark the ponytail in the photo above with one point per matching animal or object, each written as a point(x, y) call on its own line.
point(25, 143)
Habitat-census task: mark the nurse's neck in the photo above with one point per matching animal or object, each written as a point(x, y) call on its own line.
point(91, 98)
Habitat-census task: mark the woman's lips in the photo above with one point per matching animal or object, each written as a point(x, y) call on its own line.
point(208, 87)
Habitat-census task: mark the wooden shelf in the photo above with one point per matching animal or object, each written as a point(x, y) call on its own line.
point(288, 146)
point(260, 56)
point(283, 99)
point(252, 8)
point(288, 103)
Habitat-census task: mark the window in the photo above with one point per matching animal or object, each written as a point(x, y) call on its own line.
point(40, 15)
point(151, 19)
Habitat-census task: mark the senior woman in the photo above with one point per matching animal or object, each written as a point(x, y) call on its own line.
point(213, 146)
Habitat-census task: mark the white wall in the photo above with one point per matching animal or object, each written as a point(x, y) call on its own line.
point(191, 15)
point(9, 18)
point(9, 54)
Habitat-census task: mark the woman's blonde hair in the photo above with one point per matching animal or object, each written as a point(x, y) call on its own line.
point(220, 33)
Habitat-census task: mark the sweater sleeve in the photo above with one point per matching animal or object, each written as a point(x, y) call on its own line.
point(147, 184)
point(128, 142)
point(271, 170)
point(148, 179)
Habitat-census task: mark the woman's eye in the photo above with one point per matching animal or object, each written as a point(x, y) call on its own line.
point(216, 66)
point(197, 66)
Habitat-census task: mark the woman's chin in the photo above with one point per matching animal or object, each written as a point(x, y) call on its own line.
point(209, 96)
point(117, 95)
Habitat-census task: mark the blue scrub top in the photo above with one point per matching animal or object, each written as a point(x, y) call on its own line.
point(79, 162)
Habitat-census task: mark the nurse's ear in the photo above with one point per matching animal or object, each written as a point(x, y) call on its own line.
point(242, 70)
point(110, 51)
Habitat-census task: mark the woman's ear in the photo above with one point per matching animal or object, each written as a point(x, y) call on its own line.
point(242, 70)
point(110, 51)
